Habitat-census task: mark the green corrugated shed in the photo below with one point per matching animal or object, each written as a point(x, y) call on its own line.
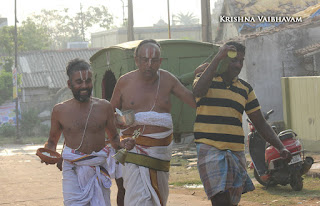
point(180, 57)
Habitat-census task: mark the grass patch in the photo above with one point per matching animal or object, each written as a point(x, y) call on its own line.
point(250, 173)
point(187, 182)
point(284, 195)
point(183, 174)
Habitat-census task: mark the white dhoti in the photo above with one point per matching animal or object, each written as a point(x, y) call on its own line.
point(146, 171)
point(146, 174)
point(87, 178)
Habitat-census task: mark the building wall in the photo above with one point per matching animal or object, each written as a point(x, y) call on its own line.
point(117, 36)
point(270, 57)
point(37, 98)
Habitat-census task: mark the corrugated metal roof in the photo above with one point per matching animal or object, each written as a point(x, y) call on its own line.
point(55, 79)
point(47, 68)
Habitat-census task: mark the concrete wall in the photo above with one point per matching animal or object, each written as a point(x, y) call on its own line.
point(37, 98)
point(117, 36)
point(270, 57)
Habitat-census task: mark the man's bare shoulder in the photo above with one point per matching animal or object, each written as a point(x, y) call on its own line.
point(101, 102)
point(168, 76)
point(62, 105)
point(128, 76)
point(125, 79)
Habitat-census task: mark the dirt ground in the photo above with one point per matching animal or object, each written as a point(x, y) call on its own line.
point(24, 181)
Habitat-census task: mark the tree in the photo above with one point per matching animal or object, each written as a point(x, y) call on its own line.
point(63, 27)
point(186, 19)
point(5, 86)
point(7, 40)
point(32, 36)
point(6, 62)
point(52, 29)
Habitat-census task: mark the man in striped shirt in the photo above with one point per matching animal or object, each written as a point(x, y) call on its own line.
point(221, 99)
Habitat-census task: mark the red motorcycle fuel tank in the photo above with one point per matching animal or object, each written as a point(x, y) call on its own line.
point(291, 144)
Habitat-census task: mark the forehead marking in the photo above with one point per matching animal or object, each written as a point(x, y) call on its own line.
point(82, 77)
point(154, 52)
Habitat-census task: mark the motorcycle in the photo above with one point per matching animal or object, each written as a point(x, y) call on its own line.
point(269, 168)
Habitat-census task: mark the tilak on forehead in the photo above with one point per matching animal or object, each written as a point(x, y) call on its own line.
point(153, 50)
point(87, 71)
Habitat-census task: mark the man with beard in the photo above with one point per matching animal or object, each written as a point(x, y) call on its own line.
point(147, 91)
point(222, 98)
point(87, 166)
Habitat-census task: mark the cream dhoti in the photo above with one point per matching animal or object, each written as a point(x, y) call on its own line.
point(146, 171)
point(86, 178)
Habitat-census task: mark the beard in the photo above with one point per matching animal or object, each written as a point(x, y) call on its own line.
point(82, 98)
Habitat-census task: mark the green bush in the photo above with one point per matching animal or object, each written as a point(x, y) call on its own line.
point(44, 130)
point(5, 86)
point(7, 130)
point(29, 122)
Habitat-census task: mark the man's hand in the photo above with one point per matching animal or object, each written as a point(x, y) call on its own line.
point(285, 154)
point(128, 143)
point(223, 51)
point(119, 124)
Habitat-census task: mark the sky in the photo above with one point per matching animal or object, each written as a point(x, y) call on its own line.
point(146, 12)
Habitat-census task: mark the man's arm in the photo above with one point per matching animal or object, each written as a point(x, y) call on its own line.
point(201, 87)
point(111, 128)
point(55, 130)
point(116, 101)
point(116, 95)
point(182, 92)
point(268, 134)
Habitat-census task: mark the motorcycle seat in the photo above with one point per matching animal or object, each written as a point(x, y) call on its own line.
point(286, 134)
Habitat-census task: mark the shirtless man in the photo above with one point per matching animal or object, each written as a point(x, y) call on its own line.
point(84, 120)
point(147, 91)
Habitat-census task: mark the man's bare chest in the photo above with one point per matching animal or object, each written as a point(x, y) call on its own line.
point(139, 98)
point(75, 121)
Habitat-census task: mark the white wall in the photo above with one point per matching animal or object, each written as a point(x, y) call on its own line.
point(270, 57)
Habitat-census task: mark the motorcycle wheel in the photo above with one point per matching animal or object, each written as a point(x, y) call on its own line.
point(257, 177)
point(296, 182)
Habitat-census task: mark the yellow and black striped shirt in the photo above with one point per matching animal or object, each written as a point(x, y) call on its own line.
point(219, 114)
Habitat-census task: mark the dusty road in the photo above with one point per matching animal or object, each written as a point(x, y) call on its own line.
point(24, 181)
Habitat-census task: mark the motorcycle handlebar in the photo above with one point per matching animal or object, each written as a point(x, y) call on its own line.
point(268, 114)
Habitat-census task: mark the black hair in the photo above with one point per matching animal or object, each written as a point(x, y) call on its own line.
point(146, 41)
point(77, 65)
point(239, 47)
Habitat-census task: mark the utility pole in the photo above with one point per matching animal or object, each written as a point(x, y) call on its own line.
point(18, 140)
point(82, 25)
point(206, 21)
point(122, 12)
point(130, 21)
point(169, 29)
